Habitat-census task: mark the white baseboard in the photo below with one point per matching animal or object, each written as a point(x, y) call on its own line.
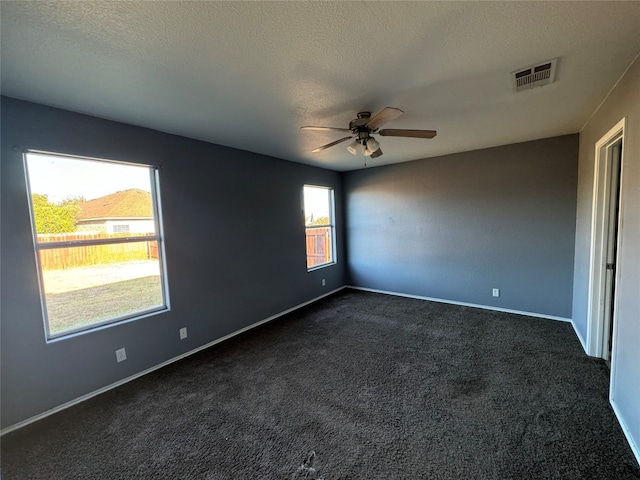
point(627, 433)
point(75, 401)
point(464, 304)
point(582, 342)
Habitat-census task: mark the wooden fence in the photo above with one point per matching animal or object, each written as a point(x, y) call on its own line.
point(318, 246)
point(69, 257)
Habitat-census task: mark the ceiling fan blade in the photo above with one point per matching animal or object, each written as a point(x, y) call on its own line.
point(407, 133)
point(328, 145)
point(377, 153)
point(326, 129)
point(383, 117)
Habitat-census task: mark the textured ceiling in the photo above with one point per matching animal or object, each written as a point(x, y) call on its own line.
point(250, 74)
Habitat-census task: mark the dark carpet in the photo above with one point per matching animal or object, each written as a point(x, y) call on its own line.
point(356, 386)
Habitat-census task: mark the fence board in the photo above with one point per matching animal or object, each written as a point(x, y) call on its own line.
point(69, 257)
point(318, 246)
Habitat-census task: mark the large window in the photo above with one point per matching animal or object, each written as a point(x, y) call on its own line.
point(319, 226)
point(92, 269)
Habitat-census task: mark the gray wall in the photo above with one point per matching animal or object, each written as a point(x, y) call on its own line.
point(456, 226)
point(214, 200)
point(623, 101)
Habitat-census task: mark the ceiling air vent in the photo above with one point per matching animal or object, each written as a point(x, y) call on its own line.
point(534, 76)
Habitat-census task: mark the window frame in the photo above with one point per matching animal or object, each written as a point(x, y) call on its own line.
point(331, 225)
point(154, 181)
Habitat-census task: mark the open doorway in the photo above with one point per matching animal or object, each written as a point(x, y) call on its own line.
point(605, 229)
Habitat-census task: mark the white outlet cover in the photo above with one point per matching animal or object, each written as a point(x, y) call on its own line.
point(183, 333)
point(121, 355)
point(496, 292)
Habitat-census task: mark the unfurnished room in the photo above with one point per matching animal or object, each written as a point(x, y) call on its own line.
point(319, 240)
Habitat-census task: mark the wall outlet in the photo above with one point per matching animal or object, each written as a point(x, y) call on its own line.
point(183, 333)
point(121, 355)
point(496, 292)
point(324, 282)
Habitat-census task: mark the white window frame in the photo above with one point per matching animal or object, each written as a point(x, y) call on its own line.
point(158, 237)
point(331, 225)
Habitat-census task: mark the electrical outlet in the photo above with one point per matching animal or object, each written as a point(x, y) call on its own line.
point(496, 292)
point(183, 333)
point(323, 282)
point(121, 355)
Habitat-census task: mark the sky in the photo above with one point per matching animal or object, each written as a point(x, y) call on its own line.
point(61, 178)
point(316, 202)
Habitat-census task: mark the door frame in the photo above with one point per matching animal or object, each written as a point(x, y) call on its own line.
point(599, 225)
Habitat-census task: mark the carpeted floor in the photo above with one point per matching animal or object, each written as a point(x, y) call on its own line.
point(357, 386)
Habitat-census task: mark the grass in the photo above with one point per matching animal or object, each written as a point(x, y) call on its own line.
point(90, 305)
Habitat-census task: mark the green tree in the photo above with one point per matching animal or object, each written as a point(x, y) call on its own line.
point(73, 201)
point(52, 218)
point(73, 205)
point(320, 221)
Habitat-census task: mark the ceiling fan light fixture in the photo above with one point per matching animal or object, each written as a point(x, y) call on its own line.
point(371, 145)
point(354, 147)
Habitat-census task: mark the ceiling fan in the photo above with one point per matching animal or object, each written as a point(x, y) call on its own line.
point(364, 126)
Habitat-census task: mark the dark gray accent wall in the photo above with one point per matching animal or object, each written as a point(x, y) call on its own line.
point(457, 226)
point(235, 250)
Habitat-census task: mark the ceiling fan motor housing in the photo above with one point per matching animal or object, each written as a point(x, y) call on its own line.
point(359, 124)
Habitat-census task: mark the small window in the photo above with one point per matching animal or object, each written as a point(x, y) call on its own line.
point(98, 240)
point(319, 226)
point(121, 229)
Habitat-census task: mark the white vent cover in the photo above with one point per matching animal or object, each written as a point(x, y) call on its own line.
point(534, 76)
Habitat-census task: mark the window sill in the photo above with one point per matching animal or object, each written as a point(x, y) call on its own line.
point(318, 267)
point(94, 327)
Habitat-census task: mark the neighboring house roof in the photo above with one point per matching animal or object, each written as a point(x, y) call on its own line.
point(124, 204)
